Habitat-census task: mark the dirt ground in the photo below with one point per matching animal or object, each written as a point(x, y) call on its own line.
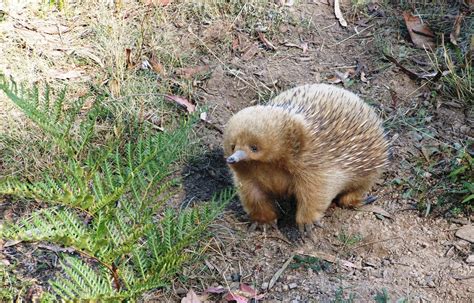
point(404, 253)
point(413, 257)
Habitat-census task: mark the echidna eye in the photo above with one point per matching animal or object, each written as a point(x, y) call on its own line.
point(253, 148)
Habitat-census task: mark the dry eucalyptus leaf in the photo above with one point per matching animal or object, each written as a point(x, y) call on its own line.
point(420, 33)
point(376, 210)
point(182, 101)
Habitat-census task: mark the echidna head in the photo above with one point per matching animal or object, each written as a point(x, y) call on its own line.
point(258, 133)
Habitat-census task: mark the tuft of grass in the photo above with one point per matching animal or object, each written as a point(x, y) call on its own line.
point(341, 297)
point(348, 240)
point(382, 296)
point(306, 262)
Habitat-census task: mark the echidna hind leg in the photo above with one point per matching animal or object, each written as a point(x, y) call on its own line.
point(351, 199)
point(354, 194)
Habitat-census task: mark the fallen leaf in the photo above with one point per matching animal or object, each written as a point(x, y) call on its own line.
point(156, 66)
point(265, 41)
point(339, 77)
point(11, 243)
point(216, 290)
point(190, 72)
point(192, 297)
point(115, 87)
point(420, 33)
point(434, 76)
point(190, 108)
point(235, 43)
point(247, 290)
point(203, 117)
point(453, 37)
point(338, 14)
point(376, 210)
point(235, 297)
point(128, 58)
point(250, 52)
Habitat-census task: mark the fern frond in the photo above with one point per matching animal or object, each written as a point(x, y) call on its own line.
point(56, 225)
point(81, 281)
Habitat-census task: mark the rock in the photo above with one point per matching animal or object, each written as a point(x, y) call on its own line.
point(285, 287)
point(293, 285)
point(466, 233)
point(235, 277)
point(181, 291)
point(264, 285)
point(470, 259)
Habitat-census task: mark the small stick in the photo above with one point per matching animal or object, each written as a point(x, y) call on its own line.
point(280, 271)
point(350, 37)
point(374, 242)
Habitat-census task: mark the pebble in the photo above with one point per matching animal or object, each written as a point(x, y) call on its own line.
point(386, 262)
point(264, 285)
point(235, 277)
point(285, 287)
point(470, 259)
point(181, 291)
point(293, 285)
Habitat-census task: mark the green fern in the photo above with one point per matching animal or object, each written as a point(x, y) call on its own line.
point(102, 200)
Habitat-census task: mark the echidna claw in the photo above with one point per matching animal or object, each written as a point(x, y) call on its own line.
point(306, 232)
point(253, 226)
point(263, 226)
point(369, 200)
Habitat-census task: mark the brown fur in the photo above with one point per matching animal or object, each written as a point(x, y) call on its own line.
point(313, 142)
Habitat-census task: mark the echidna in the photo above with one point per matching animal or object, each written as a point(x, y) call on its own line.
point(316, 143)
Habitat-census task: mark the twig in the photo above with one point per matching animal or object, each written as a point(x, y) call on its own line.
point(331, 259)
point(280, 271)
point(375, 242)
point(351, 36)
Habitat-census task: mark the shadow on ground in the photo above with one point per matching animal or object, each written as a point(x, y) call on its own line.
point(204, 176)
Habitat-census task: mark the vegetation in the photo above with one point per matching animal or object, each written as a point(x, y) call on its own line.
point(105, 202)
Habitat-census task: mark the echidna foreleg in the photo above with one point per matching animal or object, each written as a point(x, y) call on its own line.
point(312, 202)
point(257, 204)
